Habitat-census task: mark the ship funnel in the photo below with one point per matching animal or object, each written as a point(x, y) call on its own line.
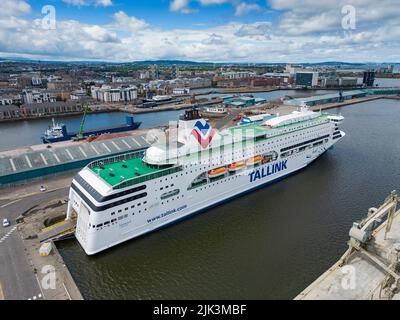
point(186, 124)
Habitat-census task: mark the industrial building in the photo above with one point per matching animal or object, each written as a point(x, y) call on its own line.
point(20, 165)
point(383, 91)
point(241, 101)
point(327, 98)
point(13, 112)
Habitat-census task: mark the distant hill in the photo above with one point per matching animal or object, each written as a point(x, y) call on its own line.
point(171, 62)
point(187, 62)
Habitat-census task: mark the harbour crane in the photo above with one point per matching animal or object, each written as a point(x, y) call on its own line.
point(79, 135)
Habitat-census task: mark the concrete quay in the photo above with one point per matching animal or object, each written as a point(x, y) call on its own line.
point(353, 101)
point(24, 274)
point(370, 268)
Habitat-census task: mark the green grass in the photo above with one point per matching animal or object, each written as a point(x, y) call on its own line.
point(114, 173)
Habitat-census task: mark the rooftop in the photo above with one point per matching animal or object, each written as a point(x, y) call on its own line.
point(117, 172)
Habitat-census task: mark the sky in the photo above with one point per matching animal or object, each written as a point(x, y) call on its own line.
point(259, 31)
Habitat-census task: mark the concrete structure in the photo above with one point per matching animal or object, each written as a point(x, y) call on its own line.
point(348, 82)
point(370, 268)
point(327, 98)
point(330, 82)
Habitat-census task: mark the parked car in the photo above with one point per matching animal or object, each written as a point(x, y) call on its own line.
point(6, 222)
point(43, 189)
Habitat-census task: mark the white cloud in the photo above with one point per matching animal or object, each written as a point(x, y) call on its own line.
point(255, 29)
point(244, 8)
point(180, 6)
point(14, 7)
point(100, 3)
point(310, 16)
point(127, 23)
point(128, 38)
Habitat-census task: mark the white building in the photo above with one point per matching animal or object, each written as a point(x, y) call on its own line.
point(36, 96)
point(109, 94)
point(78, 95)
point(144, 75)
point(237, 75)
point(123, 79)
point(181, 91)
point(9, 100)
point(36, 81)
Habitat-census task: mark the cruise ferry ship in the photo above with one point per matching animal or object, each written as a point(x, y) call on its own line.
point(125, 196)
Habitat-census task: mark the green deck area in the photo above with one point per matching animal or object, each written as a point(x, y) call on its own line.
point(117, 172)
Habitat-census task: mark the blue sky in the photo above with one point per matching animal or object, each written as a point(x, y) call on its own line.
point(157, 12)
point(203, 30)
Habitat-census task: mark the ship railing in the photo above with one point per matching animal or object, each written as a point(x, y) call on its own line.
point(147, 177)
point(118, 158)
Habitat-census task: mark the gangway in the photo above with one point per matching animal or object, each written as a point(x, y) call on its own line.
point(59, 231)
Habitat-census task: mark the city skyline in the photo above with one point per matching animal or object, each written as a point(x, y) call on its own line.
point(204, 30)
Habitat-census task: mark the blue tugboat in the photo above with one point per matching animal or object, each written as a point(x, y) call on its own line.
point(58, 131)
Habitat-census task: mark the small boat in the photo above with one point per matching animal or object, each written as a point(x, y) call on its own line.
point(233, 167)
point(216, 172)
point(254, 160)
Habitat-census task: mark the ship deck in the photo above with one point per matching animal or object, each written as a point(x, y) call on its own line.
point(117, 172)
point(256, 129)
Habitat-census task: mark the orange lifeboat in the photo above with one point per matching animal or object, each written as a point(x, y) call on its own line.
point(254, 160)
point(216, 172)
point(236, 166)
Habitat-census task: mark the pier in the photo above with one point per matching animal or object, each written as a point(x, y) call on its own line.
point(369, 269)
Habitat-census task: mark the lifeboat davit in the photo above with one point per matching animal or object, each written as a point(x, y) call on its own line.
point(236, 166)
point(217, 172)
point(254, 160)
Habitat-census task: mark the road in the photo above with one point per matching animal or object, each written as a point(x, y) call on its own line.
point(17, 279)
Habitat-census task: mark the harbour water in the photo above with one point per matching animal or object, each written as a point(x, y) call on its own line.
point(269, 244)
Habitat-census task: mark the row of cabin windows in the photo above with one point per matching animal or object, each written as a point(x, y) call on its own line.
point(166, 187)
point(173, 199)
point(113, 221)
point(132, 206)
point(301, 149)
point(303, 143)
